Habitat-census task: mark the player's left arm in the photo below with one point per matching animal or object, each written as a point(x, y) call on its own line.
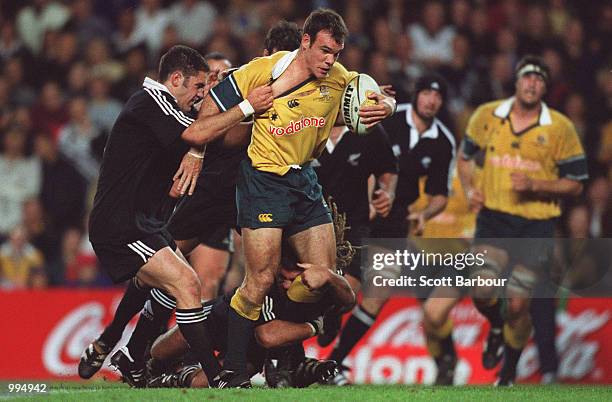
point(277, 333)
point(570, 159)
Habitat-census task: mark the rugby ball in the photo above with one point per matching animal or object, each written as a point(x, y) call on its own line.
point(356, 95)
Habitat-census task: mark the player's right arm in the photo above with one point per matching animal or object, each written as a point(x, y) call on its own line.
point(473, 142)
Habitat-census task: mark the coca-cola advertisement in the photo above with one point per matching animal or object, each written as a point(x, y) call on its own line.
point(48, 345)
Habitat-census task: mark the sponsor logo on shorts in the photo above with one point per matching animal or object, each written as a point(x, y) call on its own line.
point(265, 217)
point(295, 127)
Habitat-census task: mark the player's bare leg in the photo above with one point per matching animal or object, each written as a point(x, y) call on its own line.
point(517, 325)
point(488, 302)
point(210, 265)
point(316, 245)
point(176, 284)
point(439, 332)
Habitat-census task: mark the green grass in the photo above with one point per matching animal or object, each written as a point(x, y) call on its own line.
point(111, 391)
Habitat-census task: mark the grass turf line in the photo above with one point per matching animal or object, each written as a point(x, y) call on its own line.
point(110, 391)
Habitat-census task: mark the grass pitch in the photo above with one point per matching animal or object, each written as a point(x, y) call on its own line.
point(112, 391)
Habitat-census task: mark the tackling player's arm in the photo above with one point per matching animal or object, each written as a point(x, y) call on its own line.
point(212, 123)
point(277, 333)
point(382, 199)
point(321, 278)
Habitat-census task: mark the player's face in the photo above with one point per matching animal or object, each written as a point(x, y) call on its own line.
point(216, 68)
point(428, 104)
point(190, 90)
point(530, 89)
point(321, 54)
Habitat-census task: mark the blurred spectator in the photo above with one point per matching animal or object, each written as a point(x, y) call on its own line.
point(19, 179)
point(61, 50)
point(63, 189)
point(557, 88)
point(481, 40)
point(575, 110)
point(578, 222)
point(505, 13)
point(100, 62)
point(460, 75)
point(35, 20)
point(135, 72)
point(21, 265)
point(498, 83)
point(85, 23)
point(353, 16)
point(431, 38)
point(506, 42)
point(49, 113)
point(44, 237)
point(10, 44)
point(76, 140)
point(21, 94)
point(79, 261)
point(558, 16)
point(124, 38)
point(103, 110)
point(383, 37)
point(193, 20)
point(535, 30)
point(460, 15)
point(151, 20)
point(78, 78)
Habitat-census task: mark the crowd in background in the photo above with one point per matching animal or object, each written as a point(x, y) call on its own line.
point(67, 67)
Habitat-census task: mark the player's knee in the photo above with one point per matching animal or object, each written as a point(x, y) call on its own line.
point(516, 308)
point(188, 286)
point(434, 318)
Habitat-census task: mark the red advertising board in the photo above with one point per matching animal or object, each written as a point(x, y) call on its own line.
point(45, 332)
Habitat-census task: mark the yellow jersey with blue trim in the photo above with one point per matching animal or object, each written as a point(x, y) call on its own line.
point(547, 150)
point(295, 129)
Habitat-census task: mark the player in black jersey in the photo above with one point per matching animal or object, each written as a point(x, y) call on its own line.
point(205, 216)
point(126, 227)
point(343, 169)
point(424, 147)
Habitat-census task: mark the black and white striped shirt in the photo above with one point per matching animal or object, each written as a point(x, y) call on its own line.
point(142, 153)
point(430, 154)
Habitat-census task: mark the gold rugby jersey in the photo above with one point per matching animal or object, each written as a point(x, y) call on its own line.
point(547, 150)
point(295, 130)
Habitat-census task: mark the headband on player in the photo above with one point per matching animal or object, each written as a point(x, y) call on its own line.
point(532, 68)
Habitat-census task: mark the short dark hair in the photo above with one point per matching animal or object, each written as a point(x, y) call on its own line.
point(181, 58)
point(328, 20)
point(215, 56)
point(283, 36)
point(539, 67)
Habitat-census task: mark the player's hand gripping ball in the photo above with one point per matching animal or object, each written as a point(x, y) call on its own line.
point(356, 95)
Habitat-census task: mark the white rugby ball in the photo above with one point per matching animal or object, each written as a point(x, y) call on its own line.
point(356, 95)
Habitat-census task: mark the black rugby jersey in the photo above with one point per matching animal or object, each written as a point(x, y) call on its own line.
point(142, 154)
point(343, 170)
point(430, 154)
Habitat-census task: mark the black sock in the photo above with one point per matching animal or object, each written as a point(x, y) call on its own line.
point(240, 332)
point(191, 323)
point(492, 313)
point(356, 327)
point(154, 317)
point(448, 346)
point(131, 303)
point(511, 358)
